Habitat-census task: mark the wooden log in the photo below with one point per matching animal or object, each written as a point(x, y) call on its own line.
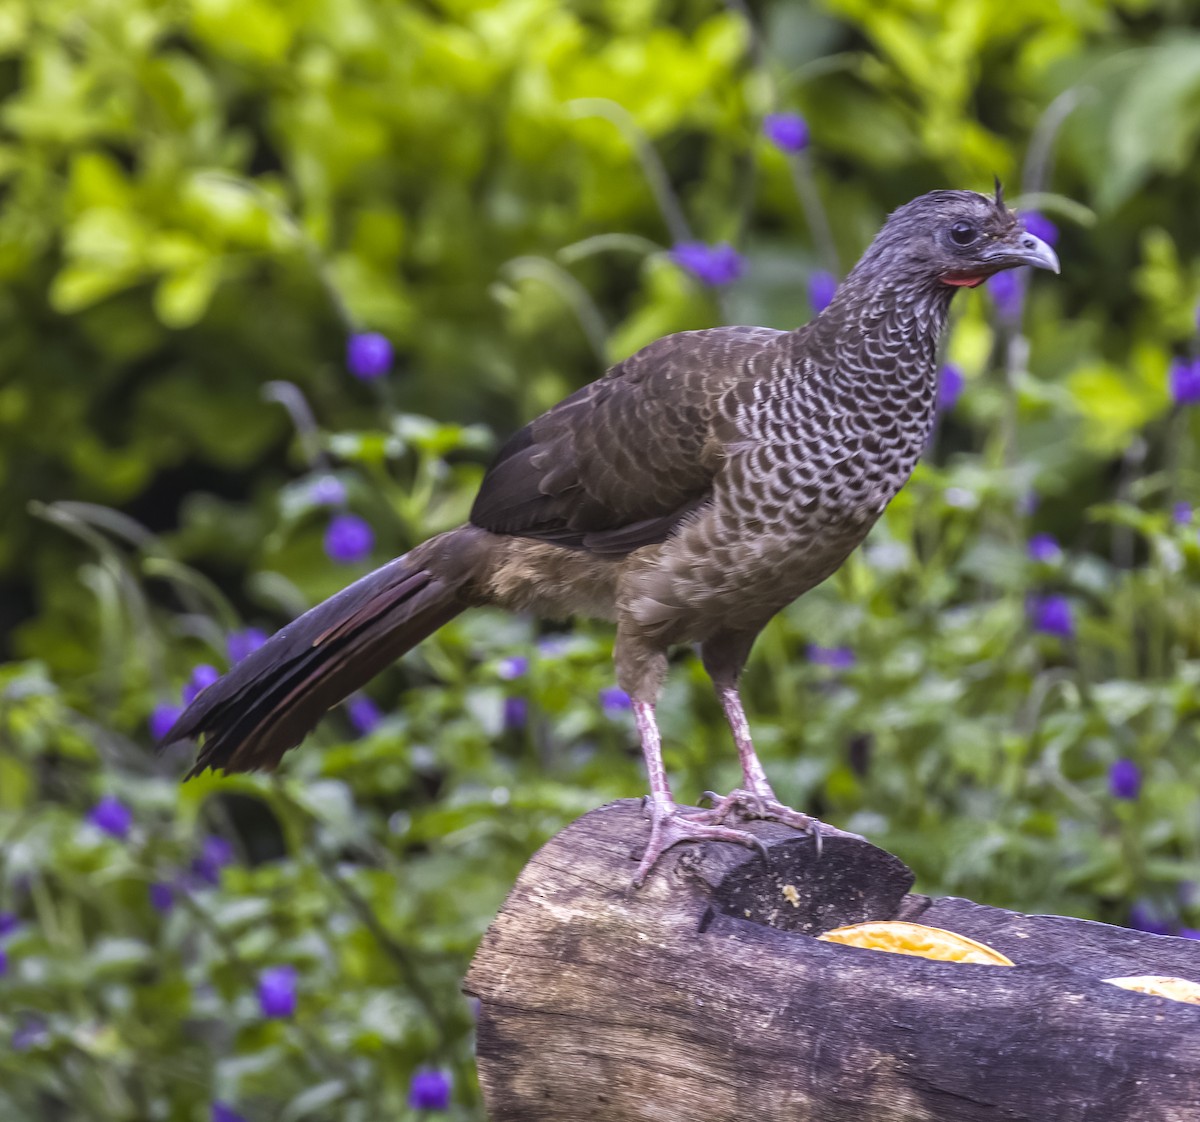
point(702, 996)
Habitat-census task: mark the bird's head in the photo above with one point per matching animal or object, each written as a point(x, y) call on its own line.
point(956, 238)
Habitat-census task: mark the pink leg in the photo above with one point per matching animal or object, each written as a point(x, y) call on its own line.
point(755, 798)
point(754, 778)
point(668, 825)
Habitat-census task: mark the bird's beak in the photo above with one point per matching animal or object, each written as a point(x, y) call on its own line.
point(1025, 249)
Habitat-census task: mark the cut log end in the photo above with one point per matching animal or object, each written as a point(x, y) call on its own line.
point(702, 996)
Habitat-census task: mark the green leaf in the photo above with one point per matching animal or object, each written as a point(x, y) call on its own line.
point(80, 286)
point(182, 297)
point(312, 1102)
point(245, 29)
point(113, 957)
point(1156, 121)
point(1117, 401)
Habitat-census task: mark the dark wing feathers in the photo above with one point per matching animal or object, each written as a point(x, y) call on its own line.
point(619, 463)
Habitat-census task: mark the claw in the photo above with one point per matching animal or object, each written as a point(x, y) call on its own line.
point(752, 804)
point(669, 826)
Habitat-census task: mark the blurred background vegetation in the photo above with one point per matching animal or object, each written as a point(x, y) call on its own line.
point(277, 275)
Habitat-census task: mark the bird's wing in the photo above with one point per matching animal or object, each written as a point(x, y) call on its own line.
point(618, 464)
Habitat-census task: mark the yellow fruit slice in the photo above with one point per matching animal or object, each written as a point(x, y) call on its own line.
point(1161, 985)
point(898, 937)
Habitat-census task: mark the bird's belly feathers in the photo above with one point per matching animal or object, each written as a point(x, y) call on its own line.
point(775, 529)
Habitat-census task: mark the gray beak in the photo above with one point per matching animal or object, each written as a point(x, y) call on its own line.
point(1026, 249)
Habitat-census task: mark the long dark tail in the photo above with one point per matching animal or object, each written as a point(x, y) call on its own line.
point(274, 697)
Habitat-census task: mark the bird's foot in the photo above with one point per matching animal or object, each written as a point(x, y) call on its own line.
point(669, 826)
point(755, 804)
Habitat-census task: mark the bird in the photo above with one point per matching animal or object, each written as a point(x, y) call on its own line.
point(689, 494)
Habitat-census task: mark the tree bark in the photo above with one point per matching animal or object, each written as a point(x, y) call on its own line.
point(703, 997)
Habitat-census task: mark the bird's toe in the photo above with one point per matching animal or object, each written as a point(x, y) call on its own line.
point(753, 804)
point(670, 827)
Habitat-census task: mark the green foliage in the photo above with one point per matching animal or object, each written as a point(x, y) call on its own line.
point(201, 201)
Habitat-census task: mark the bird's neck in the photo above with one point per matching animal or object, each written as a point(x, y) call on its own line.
point(883, 333)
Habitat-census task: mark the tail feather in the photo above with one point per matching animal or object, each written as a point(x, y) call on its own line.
point(274, 697)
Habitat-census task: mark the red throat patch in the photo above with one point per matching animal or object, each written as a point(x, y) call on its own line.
point(964, 282)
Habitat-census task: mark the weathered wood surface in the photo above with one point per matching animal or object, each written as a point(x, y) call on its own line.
point(701, 998)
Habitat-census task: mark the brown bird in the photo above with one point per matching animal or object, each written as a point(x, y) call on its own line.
point(687, 495)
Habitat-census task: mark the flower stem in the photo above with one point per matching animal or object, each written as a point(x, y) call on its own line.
point(814, 211)
point(555, 277)
point(289, 396)
point(652, 168)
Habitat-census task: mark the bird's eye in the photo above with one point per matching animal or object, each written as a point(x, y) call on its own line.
point(963, 233)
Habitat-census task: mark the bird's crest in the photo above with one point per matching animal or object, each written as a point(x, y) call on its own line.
point(999, 192)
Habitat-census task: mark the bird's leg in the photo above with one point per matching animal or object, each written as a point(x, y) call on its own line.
point(724, 656)
point(755, 798)
point(641, 667)
point(754, 779)
point(668, 824)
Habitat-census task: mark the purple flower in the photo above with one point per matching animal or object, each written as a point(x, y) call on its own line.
point(836, 658)
point(516, 713)
point(348, 539)
point(787, 131)
point(430, 1089)
point(950, 387)
point(277, 991)
point(223, 1112)
point(713, 265)
point(1181, 514)
point(1005, 291)
point(368, 355)
point(9, 922)
point(1044, 549)
point(365, 716)
point(162, 717)
point(1145, 917)
point(1051, 614)
point(1040, 226)
point(243, 643)
point(1124, 779)
point(515, 666)
point(3, 962)
point(327, 491)
point(1184, 378)
point(202, 677)
point(614, 701)
point(1188, 933)
point(215, 854)
point(821, 289)
point(29, 1033)
point(112, 817)
point(162, 897)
